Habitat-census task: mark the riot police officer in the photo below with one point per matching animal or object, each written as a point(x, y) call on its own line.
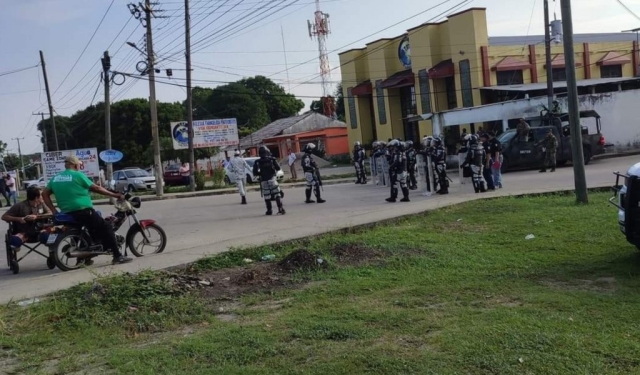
point(412, 160)
point(476, 159)
point(398, 171)
point(426, 151)
point(439, 160)
point(266, 168)
point(358, 161)
point(311, 174)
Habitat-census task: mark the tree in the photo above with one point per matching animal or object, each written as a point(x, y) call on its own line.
point(279, 103)
point(316, 105)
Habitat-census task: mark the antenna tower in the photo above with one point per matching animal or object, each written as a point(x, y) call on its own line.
point(320, 29)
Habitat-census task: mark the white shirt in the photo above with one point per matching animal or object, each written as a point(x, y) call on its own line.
point(292, 158)
point(236, 167)
point(11, 184)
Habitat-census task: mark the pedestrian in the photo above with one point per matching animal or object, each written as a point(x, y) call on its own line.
point(523, 130)
point(358, 162)
point(311, 174)
point(495, 153)
point(237, 169)
point(11, 185)
point(3, 190)
point(292, 165)
point(266, 167)
point(486, 171)
point(549, 147)
point(184, 173)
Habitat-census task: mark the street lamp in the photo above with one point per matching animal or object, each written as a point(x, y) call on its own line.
point(136, 47)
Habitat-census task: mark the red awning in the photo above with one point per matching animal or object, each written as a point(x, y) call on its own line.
point(401, 79)
point(558, 62)
point(362, 89)
point(511, 63)
point(613, 58)
point(443, 69)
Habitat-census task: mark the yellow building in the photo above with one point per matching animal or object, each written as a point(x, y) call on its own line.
point(454, 64)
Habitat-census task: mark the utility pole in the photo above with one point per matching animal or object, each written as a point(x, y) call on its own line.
point(46, 86)
point(20, 156)
point(547, 51)
point(187, 37)
point(157, 163)
point(579, 176)
point(106, 67)
point(44, 131)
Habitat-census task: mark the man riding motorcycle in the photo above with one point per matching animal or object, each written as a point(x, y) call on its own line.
point(71, 189)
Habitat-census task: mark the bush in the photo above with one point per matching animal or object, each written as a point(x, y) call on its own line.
point(200, 180)
point(217, 176)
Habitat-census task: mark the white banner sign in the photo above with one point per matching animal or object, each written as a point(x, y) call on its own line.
point(206, 133)
point(53, 162)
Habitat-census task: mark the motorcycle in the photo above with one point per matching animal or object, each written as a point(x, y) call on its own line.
point(69, 241)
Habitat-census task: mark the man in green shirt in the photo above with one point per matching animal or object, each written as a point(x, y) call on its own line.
point(71, 189)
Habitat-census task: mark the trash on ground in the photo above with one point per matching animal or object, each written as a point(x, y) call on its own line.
point(28, 302)
point(530, 237)
point(268, 257)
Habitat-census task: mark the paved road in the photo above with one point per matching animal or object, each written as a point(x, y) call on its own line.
point(207, 225)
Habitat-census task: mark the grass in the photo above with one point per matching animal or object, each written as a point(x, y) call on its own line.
point(458, 290)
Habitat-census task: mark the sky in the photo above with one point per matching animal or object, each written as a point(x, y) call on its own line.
point(231, 39)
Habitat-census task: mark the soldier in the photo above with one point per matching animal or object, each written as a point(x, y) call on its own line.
point(266, 167)
point(425, 151)
point(439, 160)
point(549, 147)
point(411, 164)
point(398, 172)
point(358, 161)
point(476, 158)
point(311, 174)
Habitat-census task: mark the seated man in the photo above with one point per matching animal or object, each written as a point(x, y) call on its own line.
point(23, 215)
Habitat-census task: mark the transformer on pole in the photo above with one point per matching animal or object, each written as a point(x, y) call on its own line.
point(320, 29)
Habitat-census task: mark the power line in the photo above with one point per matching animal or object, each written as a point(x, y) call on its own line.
point(85, 47)
point(628, 9)
point(18, 70)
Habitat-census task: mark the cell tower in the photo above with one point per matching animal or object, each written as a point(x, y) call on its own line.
point(320, 29)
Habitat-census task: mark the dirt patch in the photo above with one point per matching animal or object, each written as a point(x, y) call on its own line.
point(355, 255)
point(301, 260)
point(233, 282)
point(603, 285)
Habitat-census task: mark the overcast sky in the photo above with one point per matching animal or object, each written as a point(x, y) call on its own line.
point(234, 42)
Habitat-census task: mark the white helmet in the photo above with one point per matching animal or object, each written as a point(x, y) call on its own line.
point(634, 170)
point(309, 147)
point(427, 140)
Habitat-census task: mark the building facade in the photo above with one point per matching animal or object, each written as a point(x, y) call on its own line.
point(455, 64)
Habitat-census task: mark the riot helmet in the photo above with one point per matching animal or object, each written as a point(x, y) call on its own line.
point(309, 148)
point(264, 152)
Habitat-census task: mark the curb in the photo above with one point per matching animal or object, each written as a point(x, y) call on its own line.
point(225, 191)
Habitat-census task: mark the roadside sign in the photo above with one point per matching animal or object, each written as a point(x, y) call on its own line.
point(111, 156)
point(206, 133)
point(53, 162)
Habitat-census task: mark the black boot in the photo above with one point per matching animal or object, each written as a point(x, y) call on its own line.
point(281, 210)
point(405, 195)
point(553, 169)
point(269, 207)
point(308, 194)
point(543, 170)
point(318, 198)
point(394, 196)
point(482, 188)
point(244, 200)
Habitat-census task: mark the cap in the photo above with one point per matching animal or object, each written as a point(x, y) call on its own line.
point(237, 153)
point(73, 160)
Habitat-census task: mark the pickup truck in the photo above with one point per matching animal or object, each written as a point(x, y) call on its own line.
point(522, 153)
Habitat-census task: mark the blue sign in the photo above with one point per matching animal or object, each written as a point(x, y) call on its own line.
point(111, 156)
point(404, 52)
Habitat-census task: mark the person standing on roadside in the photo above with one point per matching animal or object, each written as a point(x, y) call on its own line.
point(11, 186)
point(486, 171)
point(495, 154)
point(292, 165)
point(184, 173)
point(237, 169)
point(549, 147)
point(3, 190)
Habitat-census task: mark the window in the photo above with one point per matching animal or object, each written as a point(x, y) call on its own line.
point(559, 74)
point(452, 97)
point(510, 77)
point(136, 173)
point(611, 71)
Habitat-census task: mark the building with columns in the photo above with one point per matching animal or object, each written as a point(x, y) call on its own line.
point(436, 67)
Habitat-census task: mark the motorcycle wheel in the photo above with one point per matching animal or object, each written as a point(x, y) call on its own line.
point(159, 243)
point(71, 242)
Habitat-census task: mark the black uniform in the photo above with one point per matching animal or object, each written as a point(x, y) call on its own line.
point(266, 167)
point(311, 174)
point(412, 160)
point(358, 161)
point(475, 160)
point(439, 160)
point(398, 174)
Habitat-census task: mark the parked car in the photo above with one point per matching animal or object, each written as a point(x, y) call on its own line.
point(41, 183)
point(172, 176)
point(134, 179)
point(248, 167)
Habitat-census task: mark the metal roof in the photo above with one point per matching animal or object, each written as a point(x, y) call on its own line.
point(557, 85)
point(271, 130)
point(577, 38)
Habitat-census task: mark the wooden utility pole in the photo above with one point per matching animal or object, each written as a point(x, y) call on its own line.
point(20, 156)
point(46, 86)
point(106, 67)
point(187, 33)
point(547, 51)
point(157, 163)
point(579, 175)
point(44, 131)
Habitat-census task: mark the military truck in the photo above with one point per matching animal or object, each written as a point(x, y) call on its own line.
point(524, 152)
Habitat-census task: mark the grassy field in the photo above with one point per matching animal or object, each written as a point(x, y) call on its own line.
point(455, 291)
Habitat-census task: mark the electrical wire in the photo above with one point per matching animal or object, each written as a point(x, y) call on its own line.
point(18, 70)
point(628, 9)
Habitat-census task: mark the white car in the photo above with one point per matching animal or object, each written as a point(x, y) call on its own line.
point(41, 183)
point(248, 168)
